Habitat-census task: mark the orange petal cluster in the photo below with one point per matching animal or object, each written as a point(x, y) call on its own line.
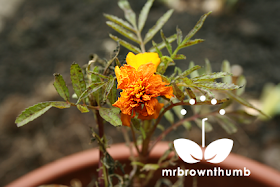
point(140, 89)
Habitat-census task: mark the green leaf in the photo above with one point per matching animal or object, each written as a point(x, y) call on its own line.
point(208, 126)
point(206, 92)
point(32, 113)
point(159, 24)
point(226, 124)
point(37, 110)
point(164, 62)
point(192, 69)
point(77, 78)
point(211, 76)
point(226, 68)
point(180, 57)
point(119, 21)
point(169, 116)
point(208, 68)
point(128, 12)
point(191, 42)
point(218, 86)
point(196, 28)
point(148, 167)
point(111, 115)
point(157, 49)
point(162, 45)
point(112, 97)
point(179, 36)
point(144, 14)
point(167, 44)
point(60, 104)
point(61, 87)
point(91, 89)
point(244, 102)
point(82, 108)
point(108, 87)
point(123, 31)
point(190, 93)
point(178, 92)
point(241, 81)
point(126, 44)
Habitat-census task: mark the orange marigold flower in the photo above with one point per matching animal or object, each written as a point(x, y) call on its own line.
point(140, 88)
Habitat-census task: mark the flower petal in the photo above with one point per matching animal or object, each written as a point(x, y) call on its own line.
point(142, 58)
point(125, 119)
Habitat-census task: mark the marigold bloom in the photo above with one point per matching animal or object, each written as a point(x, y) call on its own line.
point(140, 88)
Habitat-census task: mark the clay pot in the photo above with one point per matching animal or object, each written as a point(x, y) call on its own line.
point(83, 166)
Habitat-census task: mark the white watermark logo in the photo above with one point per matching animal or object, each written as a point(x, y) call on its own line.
point(191, 152)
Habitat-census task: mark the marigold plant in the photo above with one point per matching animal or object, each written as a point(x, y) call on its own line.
point(147, 93)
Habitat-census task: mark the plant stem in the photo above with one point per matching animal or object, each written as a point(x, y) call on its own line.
point(99, 120)
point(142, 45)
point(134, 140)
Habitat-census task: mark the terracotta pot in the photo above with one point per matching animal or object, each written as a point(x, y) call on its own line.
point(83, 166)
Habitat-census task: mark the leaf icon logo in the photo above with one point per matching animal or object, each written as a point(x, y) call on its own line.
point(191, 152)
point(218, 150)
point(188, 150)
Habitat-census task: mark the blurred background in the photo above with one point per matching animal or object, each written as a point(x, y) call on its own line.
point(39, 38)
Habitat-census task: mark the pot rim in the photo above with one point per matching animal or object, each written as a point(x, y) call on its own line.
point(60, 167)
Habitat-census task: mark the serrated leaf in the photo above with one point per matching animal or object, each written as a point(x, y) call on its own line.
point(244, 102)
point(167, 44)
point(241, 81)
point(61, 87)
point(191, 42)
point(161, 45)
point(206, 92)
point(82, 108)
point(159, 24)
point(119, 21)
point(108, 87)
point(208, 126)
point(111, 115)
point(190, 93)
point(91, 89)
point(191, 71)
point(148, 167)
point(211, 76)
point(208, 68)
point(226, 68)
point(169, 116)
point(164, 62)
point(123, 31)
point(178, 92)
point(60, 104)
point(196, 28)
point(144, 14)
point(179, 36)
point(226, 124)
point(157, 49)
point(126, 44)
point(128, 12)
point(77, 78)
point(217, 86)
point(180, 57)
point(33, 112)
point(112, 97)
